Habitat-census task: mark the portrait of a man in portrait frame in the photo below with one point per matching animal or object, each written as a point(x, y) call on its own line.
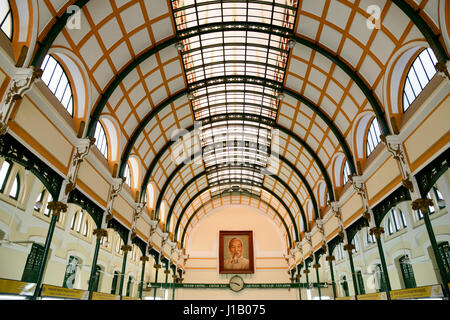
point(236, 252)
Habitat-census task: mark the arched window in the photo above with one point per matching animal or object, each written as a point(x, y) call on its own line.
point(4, 174)
point(396, 221)
point(56, 80)
point(340, 252)
point(421, 72)
point(114, 282)
point(360, 282)
point(130, 280)
point(6, 18)
point(407, 272)
point(86, 228)
point(127, 175)
point(104, 241)
point(345, 286)
point(380, 278)
point(14, 192)
point(119, 244)
point(356, 244)
point(74, 219)
point(80, 220)
point(100, 140)
point(346, 173)
point(373, 136)
point(370, 238)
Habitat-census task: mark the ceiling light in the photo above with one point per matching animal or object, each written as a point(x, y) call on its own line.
point(291, 44)
point(179, 46)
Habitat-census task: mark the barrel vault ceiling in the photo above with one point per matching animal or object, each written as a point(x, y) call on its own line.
point(259, 71)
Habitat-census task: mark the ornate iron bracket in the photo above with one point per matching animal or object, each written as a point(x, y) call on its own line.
point(21, 83)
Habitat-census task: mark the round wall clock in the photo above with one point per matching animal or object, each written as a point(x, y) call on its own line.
point(236, 283)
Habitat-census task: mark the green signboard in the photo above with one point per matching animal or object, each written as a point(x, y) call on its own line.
point(227, 286)
point(34, 261)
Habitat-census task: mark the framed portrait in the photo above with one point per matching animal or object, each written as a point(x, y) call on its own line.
point(236, 252)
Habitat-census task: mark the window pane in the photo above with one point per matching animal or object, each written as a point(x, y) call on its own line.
point(421, 72)
point(4, 173)
point(6, 21)
point(14, 193)
point(56, 79)
point(100, 140)
point(80, 220)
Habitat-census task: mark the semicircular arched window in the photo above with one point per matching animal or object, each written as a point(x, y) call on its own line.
point(421, 72)
point(56, 80)
point(6, 18)
point(373, 136)
point(127, 175)
point(346, 173)
point(100, 140)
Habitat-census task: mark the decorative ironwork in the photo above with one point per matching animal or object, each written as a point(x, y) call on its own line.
point(78, 198)
point(359, 224)
point(13, 150)
point(333, 243)
point(381, 209)
point(428, 176)
point(119, 228)
point(141, 244)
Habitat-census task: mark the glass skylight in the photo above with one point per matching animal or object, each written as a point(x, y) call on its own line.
point(235, 55)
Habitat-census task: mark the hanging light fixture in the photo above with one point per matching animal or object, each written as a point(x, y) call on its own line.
point(291, 44)
point(179, 46)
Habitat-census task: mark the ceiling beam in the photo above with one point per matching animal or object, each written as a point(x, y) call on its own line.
point(224, 195)
point(302, 178)
point(317, 160)
point(183, 165)
point(58, 26)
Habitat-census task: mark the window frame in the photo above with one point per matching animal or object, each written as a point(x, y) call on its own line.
point(9, 13)
point(64, 73)
point(100, 132)
point(345, 173)
point(413, 68)
point(373, 136)
point(7, 175)
point(17, 193)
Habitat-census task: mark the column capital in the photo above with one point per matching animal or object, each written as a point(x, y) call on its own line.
point(330, 258)
point(377, 231)
point(167, 271)
point(56, 207)
point(306, 271)
point(422, 205)
point(126, 248)
point(316, 266)
point(157, 266)
point(144, 259)
point(100, 233)
point(349, 247)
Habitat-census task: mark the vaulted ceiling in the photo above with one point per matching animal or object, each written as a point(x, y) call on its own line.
point(286, 81)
